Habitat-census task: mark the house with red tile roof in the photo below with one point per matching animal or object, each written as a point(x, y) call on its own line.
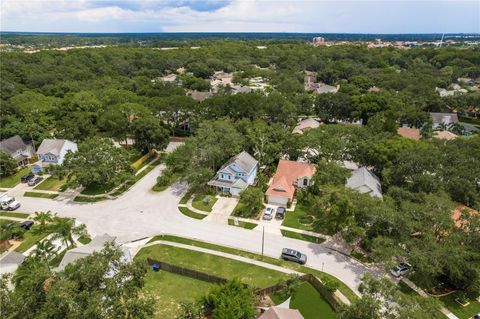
point(289, 176)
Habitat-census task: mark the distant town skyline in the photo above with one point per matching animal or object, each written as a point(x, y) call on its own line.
point(353, 16)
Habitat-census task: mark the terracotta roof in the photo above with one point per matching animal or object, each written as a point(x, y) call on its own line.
point(281, 313)
point(444, 135)
point(287, 173)
point(408, 132)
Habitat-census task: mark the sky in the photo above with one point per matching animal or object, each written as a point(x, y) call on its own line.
point(330, 16)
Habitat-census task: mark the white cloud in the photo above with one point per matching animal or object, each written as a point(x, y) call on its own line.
point(355, 16)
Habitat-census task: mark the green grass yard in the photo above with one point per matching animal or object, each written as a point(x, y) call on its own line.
point(51, 184)
point(97, 189)
point(293, 219)
point(246, 225)
point(14, 214)
point(461, 312)
point(30, 239)
point(204, 202)
point(310, 303)
point(312, 239)
point(169, 290)
point(187, 212)
point(40, 195)
point(274, 261)
point(214, 265)
point(83, 199)
point(13, 180)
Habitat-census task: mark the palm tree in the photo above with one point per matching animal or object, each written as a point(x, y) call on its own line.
point(43, 218)
point(456, 128)
point(44, 251)
point(65, 229)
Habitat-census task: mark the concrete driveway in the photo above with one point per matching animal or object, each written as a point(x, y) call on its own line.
point(141, 213)
point(221, 210)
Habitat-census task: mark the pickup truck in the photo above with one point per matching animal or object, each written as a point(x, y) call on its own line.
point(8, 202)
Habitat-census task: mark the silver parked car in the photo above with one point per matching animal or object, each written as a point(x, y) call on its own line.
point(294, 255)
point(268, 215)
point(401, 269)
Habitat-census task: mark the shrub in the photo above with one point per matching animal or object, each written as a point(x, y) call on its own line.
point(330, 284)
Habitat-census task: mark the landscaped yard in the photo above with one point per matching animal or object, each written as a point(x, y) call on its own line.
point(40, 195)
point(29, 239)
point(300, 218)
point(51, 184)
point(169, 290)
point(187, 212)
point(461, 312)
point(214, 265)
point(204, 202)
point(13, 180)
point(97, 189)
point(274, 261)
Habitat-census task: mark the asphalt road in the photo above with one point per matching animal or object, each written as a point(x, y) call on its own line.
point(141, 213)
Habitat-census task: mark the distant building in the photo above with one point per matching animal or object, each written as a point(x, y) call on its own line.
point(365, 182)
point(305, 125)
point(52, 152)
point(288, 177)
point(318, 41)
point(310, 84)
point(10, 261)
point(236, 174)
point(17, 149)
point(169, 78)
point(200, 96)
point(443, 118)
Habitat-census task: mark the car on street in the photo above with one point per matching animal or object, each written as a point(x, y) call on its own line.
point(293, 255)
point(268, 213)
point(280, 214)
point(8, 202)
point(477, 316)
point(27, 224)
point(27, 177)
point(34, 181)
point(401, 269)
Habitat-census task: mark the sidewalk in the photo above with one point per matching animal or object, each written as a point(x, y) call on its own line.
point(238, 258)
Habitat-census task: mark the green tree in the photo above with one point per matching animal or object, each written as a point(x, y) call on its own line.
point(149, 134)
point(252, 200)
point(43, 219)
point(7, 165)
point(98, 162)
point(335, 210)
point(65, 229)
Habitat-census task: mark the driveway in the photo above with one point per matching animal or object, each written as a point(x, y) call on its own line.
point(221, 210)
point(141, 213)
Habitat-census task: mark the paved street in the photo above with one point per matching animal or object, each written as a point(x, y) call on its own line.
point(141, 212)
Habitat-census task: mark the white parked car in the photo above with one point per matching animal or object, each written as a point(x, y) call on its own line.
point(8, 202)
point(401, 269)
point(268, 213)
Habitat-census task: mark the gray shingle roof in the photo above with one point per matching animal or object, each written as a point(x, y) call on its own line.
point(12, 144)
point(52, 146)
point(12, 258)
point(243, 160)
point(438, 118)
point(365, 181)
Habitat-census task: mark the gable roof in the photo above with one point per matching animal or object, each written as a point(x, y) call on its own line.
point(243, 160)
point(96, 244)
point(408, 132)
point(52, 146)
point(12, 144)
point(362, 177)
point(438, 118)
point(287, 173)
point(306, 124)
point(281, 313)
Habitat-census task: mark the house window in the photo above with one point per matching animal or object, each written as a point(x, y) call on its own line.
point(305, 182)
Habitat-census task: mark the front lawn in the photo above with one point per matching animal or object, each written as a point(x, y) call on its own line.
point(169, 290)
point(310, 303)
point(84, 239)
point(51, 184)
point(14, 214)
point(97, 189)
point(246, 225)
point(30, 239)
point(40, 195)
point(300, 218)
point(253, 275)
point(461, 312)
point(204, 202)
point(312, 239)
point(13, 180)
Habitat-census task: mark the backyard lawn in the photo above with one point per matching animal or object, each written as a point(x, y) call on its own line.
point(169, 290)
point(310, 303)
point(204, 202)
point(214, 265)
point(13, 180)
point(461, 312)
point(51, 184)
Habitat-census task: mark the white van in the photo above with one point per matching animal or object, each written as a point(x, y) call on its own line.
point(8, 202)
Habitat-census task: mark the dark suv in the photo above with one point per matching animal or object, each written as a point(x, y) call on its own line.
point(280, 214)
point(26, 178)
point(293, 255)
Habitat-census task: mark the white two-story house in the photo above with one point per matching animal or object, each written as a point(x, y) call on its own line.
point(236, 174)
point(52, 152)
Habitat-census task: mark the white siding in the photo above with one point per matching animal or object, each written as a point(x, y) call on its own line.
point(277, 200)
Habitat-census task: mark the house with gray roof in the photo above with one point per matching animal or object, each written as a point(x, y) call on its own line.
point(10, 261)
point(52, 152)
point(16, 148)
point(236, 174)
point(96, 245)
point(443, 118)
point(365, 182)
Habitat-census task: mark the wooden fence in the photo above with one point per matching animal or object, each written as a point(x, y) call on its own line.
point(187, 272)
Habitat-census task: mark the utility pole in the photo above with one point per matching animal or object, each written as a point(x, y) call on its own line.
point(263, 239)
